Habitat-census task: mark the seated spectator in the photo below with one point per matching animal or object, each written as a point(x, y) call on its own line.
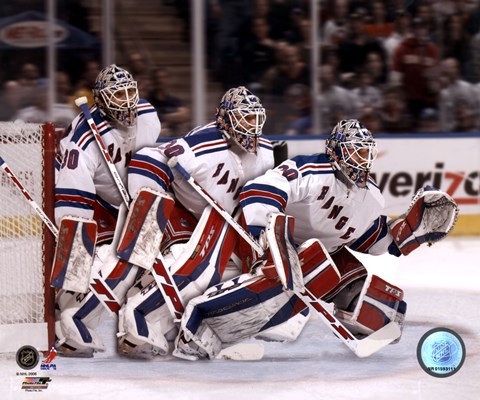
point(300, 104)
point(140, 69)
point(358, 44)
point(171, 109)
point(259, 53)
point(87, 82)
point(61, 115)
point(289, 69)
point(428, 121)
point(415, 63)
point(335, 28)
point(465, 117)
point(335, 102)
point(456, 91)
point(377, 25)
point(368, 95)
point(401, 29)
point(22, 90)
point(394, 113)
point(370, 116)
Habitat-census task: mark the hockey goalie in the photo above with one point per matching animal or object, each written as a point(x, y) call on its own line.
point(307, 213)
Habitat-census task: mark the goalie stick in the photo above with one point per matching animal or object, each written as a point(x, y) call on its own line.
point(97, 284)
point(360, 347)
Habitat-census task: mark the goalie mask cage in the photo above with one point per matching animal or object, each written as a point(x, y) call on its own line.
point(26, 245)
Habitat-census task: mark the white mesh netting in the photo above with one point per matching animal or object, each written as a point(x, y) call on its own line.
point(21, 236)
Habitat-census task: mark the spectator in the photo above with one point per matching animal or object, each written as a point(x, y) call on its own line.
point(393, 113)
point(456, 91)
point(401, 29)
point(368, 95)
point(170, 109)
point(140, 69)
point(428, 121)
point(354, 50)
point(335, 28)
point(378, 26)
point(465, 117)
point(85, 86)
point(335, 102)
point(371, 116)
point(299, 99)
point(456, 41)
point(21, 92)
point(289, 69)
point(377, 68)
point(415, 62)
point(259, 53)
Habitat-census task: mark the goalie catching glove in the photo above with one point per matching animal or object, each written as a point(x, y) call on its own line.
point(430, 218)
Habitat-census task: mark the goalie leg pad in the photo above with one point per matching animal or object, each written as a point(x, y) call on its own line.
point(235, 310)
point(143, 321)
point(282, 253)
point(378, 303)
point(74, 253)
point(78, 315)
point(143, 230)
point(195, 265)
point(320, 275)
point(431, 217)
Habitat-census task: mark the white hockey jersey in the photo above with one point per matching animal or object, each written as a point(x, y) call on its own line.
point(84, 182)
point(219, 167)
point(306, 188)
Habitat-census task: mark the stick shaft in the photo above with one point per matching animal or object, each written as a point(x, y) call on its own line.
point(105, 154)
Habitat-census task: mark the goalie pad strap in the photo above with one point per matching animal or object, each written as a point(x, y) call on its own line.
point(74, 253)
point(144, 227)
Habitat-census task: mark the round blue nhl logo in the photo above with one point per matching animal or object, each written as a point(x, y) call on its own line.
point(441, 352)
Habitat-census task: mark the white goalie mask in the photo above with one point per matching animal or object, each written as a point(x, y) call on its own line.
point(116, 95)
point(352, 150)
point(241, 116)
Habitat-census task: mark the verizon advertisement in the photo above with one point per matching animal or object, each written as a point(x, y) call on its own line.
point(405, 164)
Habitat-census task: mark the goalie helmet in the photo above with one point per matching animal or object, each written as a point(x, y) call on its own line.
point(241, 116)
point(116, 95)
point(352, 150)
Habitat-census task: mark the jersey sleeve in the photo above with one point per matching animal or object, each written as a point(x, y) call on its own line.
point(149, 166)
point(75, 193)
point(269, 193)
point(376, 240)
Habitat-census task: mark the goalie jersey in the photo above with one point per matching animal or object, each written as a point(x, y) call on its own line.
point(84, 185)
point(220, 167)
point(307, 188)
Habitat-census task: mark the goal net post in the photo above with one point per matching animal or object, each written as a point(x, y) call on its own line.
point(27, 302)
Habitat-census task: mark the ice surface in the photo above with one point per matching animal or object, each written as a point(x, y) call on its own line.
point(442, 289)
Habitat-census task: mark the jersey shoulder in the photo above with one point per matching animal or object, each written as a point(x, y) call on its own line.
point(205, 141)
point(144, 107)
point(314, 164)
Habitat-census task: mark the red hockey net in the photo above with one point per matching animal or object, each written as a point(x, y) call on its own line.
point(26, 245)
